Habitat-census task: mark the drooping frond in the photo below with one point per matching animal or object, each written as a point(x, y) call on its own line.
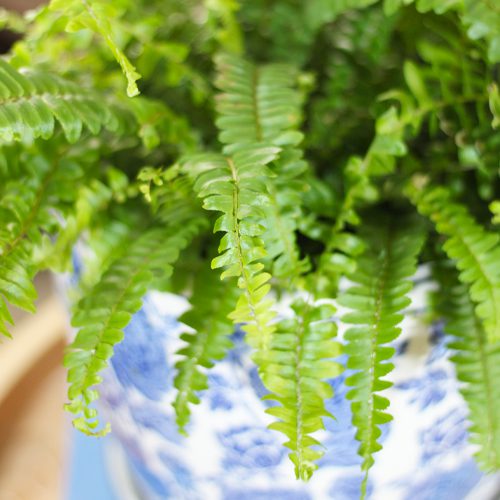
point(31, 103)
point(477, 364)
point(27, 213)
point(211, 302)
point(102, 314)
point(376, 300)
point(261, 104)
point(298, 364)
point(99, 17)
point(235, 186)
point(475, 251)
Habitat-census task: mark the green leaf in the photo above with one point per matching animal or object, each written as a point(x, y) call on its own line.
point(477, 364)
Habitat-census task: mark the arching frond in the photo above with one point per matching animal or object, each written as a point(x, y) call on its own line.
point(27, 207)
point(99, 17)
point(260, 104)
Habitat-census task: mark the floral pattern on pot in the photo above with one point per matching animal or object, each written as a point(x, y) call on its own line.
point(230, 454)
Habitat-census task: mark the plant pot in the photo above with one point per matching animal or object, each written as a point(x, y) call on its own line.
point(230, 453)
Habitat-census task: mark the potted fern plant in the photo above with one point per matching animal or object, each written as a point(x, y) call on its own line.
point(285, 167)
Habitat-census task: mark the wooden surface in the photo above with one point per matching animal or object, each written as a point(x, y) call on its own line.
point(33, 425)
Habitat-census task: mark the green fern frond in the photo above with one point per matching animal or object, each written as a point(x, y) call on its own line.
point(477, 363)
point(211, 303)
point(260, 104)
point(236, 187)
point(376, 300)
point(103, 313)
point(100, 18)
point(25, 215)
point(475, 251)
point(257, 104)
point(298, 364)
point(31, 103)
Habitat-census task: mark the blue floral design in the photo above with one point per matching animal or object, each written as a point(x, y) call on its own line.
point(140, 360)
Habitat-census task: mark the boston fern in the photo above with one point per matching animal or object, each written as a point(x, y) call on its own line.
point(238, 152)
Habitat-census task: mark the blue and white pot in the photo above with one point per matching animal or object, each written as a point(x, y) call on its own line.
point(230, 453)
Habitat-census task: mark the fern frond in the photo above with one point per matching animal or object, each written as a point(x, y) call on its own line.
point(211, 303)
point(31, 103)
point(257, 103)
point(103, 313)
point(298, 364)
point(477, 364)
point(235, 186)
point(475, 251)
point(260, 104)
point(99, 17)
point(24, 216)
point(376, 300)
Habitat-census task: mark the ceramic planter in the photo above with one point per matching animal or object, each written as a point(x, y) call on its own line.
point(230, 454)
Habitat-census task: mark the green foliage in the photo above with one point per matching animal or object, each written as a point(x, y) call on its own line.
point(32, 102)
point(306, 129)
point(26, 207)
point(234, 186)
point(376, 301)
point(105, 310)
point(97, 16)
point(475, 251)
point(477, 363)
point(298, 365)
